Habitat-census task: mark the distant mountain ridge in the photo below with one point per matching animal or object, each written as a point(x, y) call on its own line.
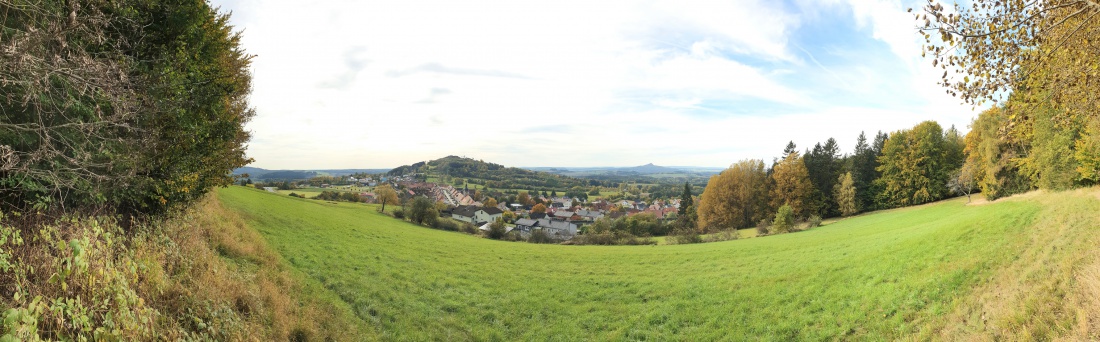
point(647, 169)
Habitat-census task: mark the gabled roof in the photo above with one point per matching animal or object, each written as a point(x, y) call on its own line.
point(465, 210)
point(547, 223)
point(493, 211)
point(527, 222)
point(589, 213)
point(563, 213)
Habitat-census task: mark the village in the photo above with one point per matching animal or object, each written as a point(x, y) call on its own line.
point(559, 217)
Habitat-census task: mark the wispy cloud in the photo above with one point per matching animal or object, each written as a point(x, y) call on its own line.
point(438, 68)
point(570, 82)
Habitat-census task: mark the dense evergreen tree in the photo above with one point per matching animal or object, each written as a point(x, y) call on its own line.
point(685, 200)
point(864, 162)
point(824, 164)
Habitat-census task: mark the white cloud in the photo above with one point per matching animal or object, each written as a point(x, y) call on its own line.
point(380, 84)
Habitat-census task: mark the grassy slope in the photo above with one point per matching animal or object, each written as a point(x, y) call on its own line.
point(200, 275)
point(922, 271)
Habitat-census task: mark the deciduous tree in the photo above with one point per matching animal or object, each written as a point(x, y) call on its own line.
point(845, 195)
point(422, 210)
point(998, 46)
point(915, 165)
point(791, 184)
point(734, 198)
point(386, 195)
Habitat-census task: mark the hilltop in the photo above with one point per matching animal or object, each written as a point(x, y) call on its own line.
point(450, 169)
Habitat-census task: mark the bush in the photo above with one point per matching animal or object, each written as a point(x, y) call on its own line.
point(722, 235)
point(611, 238)
point(467, 228)
point(496, 230)
point(684, 236)
point(539, 236)
point(399, 213)
point(446, 224)
point(784, 220)
point(813, 222)
point(762, 227)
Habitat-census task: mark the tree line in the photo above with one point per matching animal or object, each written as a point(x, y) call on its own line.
point(907, 167)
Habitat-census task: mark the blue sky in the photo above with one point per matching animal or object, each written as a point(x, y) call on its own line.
point(363, 84)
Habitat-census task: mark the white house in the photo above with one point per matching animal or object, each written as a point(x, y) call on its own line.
point(474, 214)
point(557, 229)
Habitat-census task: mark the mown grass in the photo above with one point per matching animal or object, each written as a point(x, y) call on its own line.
point(920, 272)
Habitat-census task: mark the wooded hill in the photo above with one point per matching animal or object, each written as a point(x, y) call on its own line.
point(455, 170)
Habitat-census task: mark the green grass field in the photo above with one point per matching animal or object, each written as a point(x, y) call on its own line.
point(313, 192)
point(1004, 270)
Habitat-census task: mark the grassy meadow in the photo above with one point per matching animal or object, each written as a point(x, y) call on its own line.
point(1019, 268)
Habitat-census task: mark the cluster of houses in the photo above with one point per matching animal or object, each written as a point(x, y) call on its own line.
point(561, 220)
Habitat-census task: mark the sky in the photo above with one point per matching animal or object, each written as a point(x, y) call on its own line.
point(379, 84)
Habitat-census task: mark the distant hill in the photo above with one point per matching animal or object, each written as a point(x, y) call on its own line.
point(648, 173)
point(650, 169)
point(493, 175)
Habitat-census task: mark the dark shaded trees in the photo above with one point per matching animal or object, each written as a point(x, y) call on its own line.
point(686, 200)
point(139, 105)
point(824, 165)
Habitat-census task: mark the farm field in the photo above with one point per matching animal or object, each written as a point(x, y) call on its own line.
point(1022, 268)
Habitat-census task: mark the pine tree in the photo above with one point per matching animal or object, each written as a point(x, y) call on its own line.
point(685, 200)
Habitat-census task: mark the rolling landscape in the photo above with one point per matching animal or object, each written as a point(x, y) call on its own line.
point(742, 170)
point(946, 270)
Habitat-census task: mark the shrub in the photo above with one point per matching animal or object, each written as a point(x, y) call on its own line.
point(496, 230)
point(762, 227)
point(539, 236)
point(784, 220)
point(722, 235)
point(446, 224)
point(399, 213)
point(813, 222)
point(467, 228)
point(611, 238)
point(684, 236)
